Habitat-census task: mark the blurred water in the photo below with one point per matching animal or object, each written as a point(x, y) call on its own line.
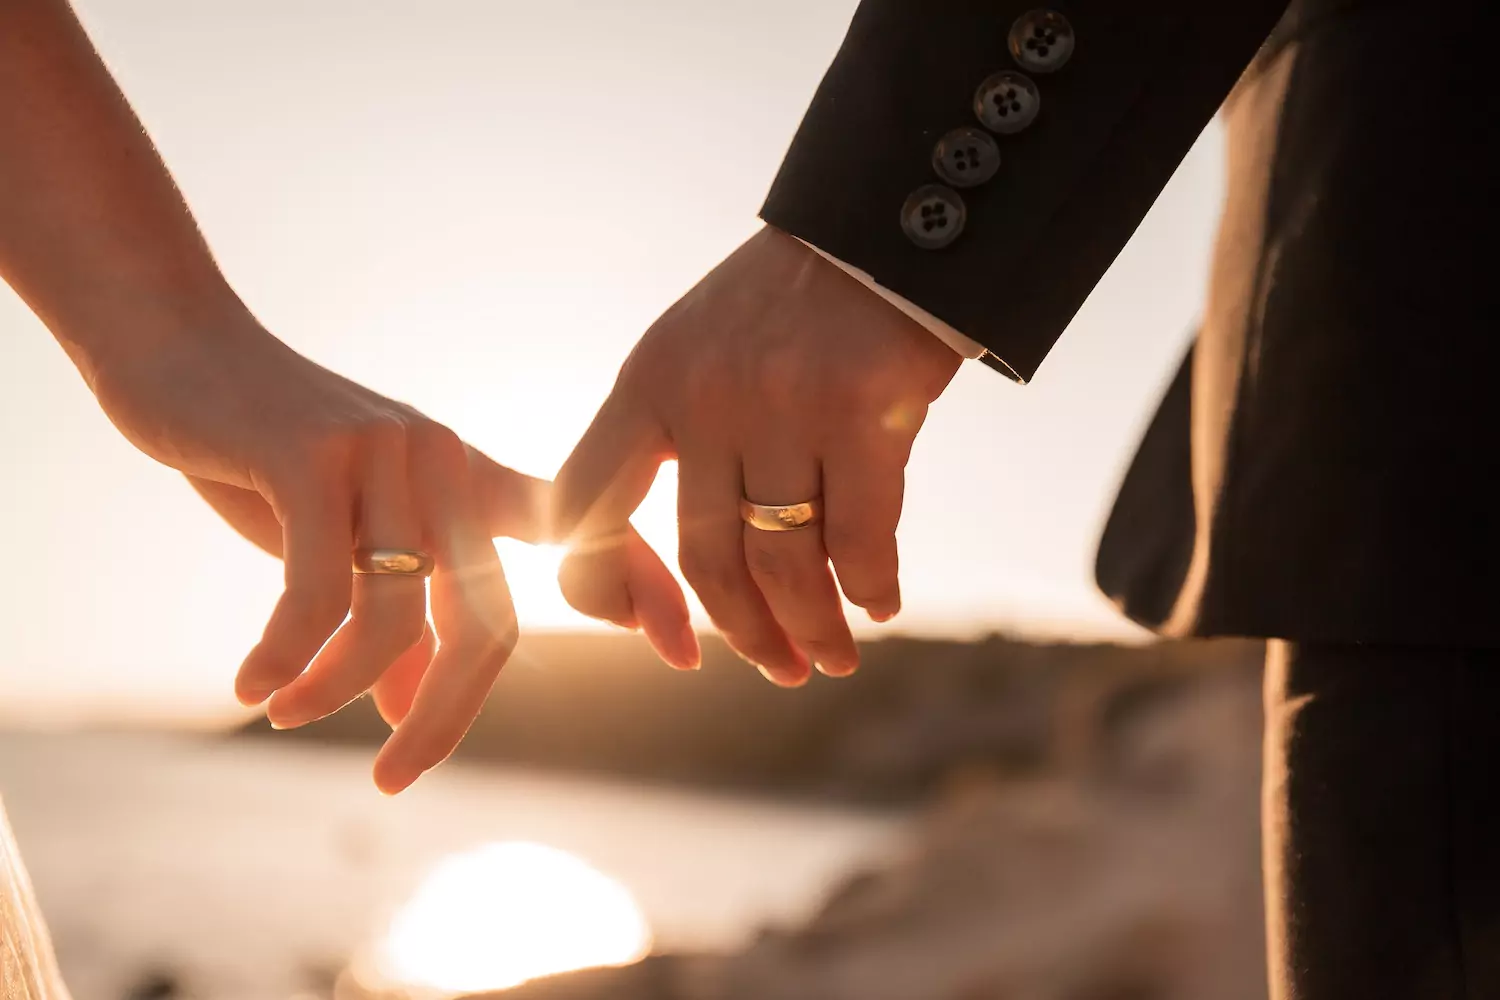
point(251, 867)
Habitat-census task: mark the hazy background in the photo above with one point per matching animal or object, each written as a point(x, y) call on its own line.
point(477, 207)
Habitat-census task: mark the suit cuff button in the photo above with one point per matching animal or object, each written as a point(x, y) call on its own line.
point(966, 157)
point(1041, 41)
point(933, 216)
point(1007, 102)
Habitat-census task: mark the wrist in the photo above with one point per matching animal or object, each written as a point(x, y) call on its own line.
point(105, 329)
point(960, 344)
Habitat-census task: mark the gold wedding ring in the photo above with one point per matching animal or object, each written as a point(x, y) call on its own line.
point(782, 517)
point(392, 562)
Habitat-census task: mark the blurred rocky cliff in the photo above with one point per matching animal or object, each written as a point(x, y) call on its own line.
point(918, 714)
point(1090, 827)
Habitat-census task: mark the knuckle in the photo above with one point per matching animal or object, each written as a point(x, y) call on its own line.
point(386, 432)
point(501, 644)
point(316, 614)
point(326, 612)
point(395, 632)
point(323, 452)
point(710, 574)
point(489, 644)
point(656, 359)
point(848, 541)
point(436, 442)
point(775, 568)
point(647, 353)
point(869, 558)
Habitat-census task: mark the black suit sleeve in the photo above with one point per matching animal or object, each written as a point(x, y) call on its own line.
point(1141, 83)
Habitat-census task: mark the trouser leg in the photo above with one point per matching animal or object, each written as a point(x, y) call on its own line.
point(1381, 836)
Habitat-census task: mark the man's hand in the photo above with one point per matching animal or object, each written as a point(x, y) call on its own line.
point(779, 379)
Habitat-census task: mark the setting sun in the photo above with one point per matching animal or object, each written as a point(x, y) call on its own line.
point(504, 913)
point(531, 570)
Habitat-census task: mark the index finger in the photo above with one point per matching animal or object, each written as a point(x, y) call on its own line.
point(609, 472)
point(510, 503)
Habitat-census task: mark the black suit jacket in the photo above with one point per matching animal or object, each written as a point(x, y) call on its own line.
point(1321, 467)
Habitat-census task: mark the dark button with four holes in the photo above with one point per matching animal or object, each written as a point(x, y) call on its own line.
point(1007, 102)
point(933, 216)
point(1041, 41)
point(966, 157)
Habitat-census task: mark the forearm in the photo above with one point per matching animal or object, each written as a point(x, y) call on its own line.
point(1060, 190)
point(94, 235)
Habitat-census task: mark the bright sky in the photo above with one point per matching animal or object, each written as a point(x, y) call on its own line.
point(477, 206)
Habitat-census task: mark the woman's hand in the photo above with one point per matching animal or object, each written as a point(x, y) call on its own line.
point(309, 466)
point(95, 237)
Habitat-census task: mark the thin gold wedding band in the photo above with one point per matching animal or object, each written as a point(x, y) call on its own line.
point(392, 562)
point(782, 517)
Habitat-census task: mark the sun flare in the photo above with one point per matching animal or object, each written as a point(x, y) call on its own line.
point(531, 571)
point(501, 914)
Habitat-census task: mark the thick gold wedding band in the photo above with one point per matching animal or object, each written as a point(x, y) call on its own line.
point(782, 517)
point(392, 562)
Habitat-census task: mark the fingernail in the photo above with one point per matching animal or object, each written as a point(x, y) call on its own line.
point(280, 716)
point(689, 653)
point(392, 790)
point(882, 614)
point(253, 696)
point(679, 651)
point(389, 784)
point(782, 678)
point(837, 669)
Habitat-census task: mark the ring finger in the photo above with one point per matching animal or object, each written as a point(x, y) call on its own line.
point(791, 567)
point(712, 554)
point(472, 616)
point(387, 612)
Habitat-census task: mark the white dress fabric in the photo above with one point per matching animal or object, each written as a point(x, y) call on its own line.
point(28, 968)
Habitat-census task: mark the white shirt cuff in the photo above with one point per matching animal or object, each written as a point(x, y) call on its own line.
point(942, 331)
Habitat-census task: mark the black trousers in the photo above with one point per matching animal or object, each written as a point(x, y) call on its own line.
point(1382, 822)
